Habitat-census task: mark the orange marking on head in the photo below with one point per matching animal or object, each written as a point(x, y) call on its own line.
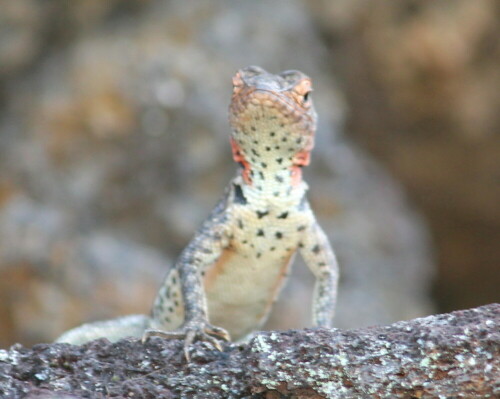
point(238, 157)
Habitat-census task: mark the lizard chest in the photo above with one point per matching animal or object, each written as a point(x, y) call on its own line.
point(242, 285)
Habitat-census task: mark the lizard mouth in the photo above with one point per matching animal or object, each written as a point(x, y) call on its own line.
point(273, 119)
point(261, 99)
point(276, 102)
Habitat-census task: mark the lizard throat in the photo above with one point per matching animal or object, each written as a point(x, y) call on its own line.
point(268, 170)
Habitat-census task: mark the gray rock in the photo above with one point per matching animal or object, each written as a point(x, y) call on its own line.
point(454, 355)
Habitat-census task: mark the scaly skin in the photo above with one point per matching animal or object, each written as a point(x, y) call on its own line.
point(233, 269)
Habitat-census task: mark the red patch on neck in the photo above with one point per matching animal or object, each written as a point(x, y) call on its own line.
point(238, 157)
point(302, 158)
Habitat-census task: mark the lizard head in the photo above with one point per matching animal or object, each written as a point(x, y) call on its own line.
point(272, 118)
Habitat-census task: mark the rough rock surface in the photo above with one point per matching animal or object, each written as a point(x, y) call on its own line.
point(114, 147)
point(453, 355)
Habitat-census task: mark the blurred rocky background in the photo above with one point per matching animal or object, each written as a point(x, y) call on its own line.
point(113, 148)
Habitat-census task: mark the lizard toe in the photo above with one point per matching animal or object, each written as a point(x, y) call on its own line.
point(217, 332)
point(190, 333)
point(163, 334)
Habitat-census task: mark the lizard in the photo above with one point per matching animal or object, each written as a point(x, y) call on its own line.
point(224, 282)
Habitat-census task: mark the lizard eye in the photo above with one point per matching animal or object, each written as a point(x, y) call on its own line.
point(303, 90)
point(306, 99)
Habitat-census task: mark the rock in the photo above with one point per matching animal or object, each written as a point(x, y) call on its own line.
point(450, 355)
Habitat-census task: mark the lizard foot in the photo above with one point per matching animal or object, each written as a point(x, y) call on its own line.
point(191, 332)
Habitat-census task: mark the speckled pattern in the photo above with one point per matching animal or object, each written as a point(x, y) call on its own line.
point(454, 355)
point(234, 267)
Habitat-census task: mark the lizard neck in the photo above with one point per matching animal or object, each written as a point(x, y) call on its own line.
point(269, 168)
point(278, 184)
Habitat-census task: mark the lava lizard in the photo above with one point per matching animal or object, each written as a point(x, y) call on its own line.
point(233, 269)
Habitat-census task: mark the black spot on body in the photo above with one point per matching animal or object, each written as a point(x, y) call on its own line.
point(316, 249)
point(272, 248)
point(239, 197)
point(279, 160)
point(253, 128)
point(259, 255)
point(254, 152)
point(284, 215)
point(260, 233)
point(279, 235)
point(260, 214)
point(240, 223)
point(284, 139)
point(261, 175)
point(278, 178)
point(276, 193)
point(299, 140)
point(264, 165)
point(272, 134)
point(268, 148)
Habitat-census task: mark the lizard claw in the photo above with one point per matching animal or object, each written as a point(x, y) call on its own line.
point(191, 332)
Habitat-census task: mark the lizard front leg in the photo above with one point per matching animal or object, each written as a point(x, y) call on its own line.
point(317, 252)
point(202, 252)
